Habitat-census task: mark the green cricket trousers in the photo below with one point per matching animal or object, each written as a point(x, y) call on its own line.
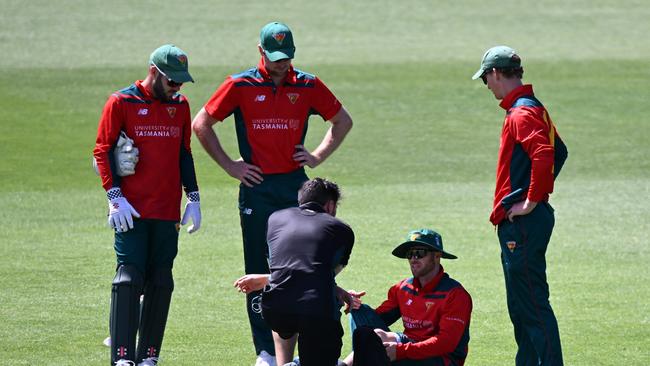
point(256, 204)
point(523, 257)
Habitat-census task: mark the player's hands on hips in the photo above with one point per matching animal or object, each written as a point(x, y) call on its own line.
point(192, 211)
point(248, 174)
point(120, 211)
point(391, 350)
point(520, 209)
point(251, 282)
point(304, 157)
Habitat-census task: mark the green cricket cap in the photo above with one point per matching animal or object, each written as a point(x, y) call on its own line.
point(277, 41)
point(172, 61)
point(422, 238)
point(499, 57)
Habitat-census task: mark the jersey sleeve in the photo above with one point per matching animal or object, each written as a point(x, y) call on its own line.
point(347, 241)
point(324, 102)
point(108, 132)
point(224, 101)
point(188, 173)
point(388, 311)
point(534, 133)
point(454, 320)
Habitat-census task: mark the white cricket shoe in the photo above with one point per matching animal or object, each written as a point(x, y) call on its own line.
point(265, 359)
point(123, 362)
point(150, 361)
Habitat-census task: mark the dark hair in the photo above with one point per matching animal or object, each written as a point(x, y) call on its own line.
point(509, 73)
point(319, 190)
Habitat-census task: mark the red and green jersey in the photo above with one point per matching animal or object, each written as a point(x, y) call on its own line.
point(531, 153)
point(161, 131)
point(271, 120)
point(435, 316)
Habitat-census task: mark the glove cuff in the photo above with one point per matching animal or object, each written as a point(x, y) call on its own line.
point(114, 193)
point(193, 197)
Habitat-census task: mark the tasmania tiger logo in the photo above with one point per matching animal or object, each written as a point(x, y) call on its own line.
point(293, 97)
point(279, 37)
point(182, 59)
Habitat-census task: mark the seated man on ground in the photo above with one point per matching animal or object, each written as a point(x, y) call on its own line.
point(435, 311)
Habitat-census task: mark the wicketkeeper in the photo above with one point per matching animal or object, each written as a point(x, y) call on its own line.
point(143, 157)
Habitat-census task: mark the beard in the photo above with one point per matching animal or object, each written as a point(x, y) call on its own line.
point(159, 90)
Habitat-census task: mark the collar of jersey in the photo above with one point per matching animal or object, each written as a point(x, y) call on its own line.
point(290, 77)
point(509, 100)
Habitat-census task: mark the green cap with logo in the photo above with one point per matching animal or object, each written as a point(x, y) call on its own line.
point(499, 57)
point(425, 238)
point(172, 61)
point(277, 41)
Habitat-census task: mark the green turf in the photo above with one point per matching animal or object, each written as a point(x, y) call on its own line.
point(421, 154)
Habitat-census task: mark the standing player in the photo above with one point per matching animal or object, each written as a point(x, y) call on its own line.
point(157, 118)
point(530, 158)
point(271, 104)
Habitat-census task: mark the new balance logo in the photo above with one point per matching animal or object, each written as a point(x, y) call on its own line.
point(247, 211)
point(260, 98)
point(143, 112)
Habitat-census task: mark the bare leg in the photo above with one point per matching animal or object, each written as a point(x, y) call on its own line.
point(284, 348)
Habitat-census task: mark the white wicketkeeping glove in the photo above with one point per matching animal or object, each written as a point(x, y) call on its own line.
point(126, 155)
point(120, 211)
point(192, 211)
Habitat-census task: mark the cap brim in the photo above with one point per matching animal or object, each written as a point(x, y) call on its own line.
point(180, 76)
point(279, 54)
point(402, 249)
point(478, 74)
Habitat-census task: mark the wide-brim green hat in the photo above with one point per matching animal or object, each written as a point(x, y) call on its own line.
point(422, 238)
point(498, 57)
point(276, 40)
point(172, 62)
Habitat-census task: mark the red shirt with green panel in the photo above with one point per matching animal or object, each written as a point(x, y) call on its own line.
point(436, 317)
point(531, 152)
point(161, 131)
point(271, 120)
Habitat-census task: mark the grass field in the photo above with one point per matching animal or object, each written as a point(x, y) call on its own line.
point(421, 154)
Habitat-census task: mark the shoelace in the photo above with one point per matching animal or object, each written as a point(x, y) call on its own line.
point(152, 360)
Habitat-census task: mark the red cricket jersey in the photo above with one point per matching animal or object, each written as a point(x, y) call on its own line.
point(531, 151)
point(271, 120)
point(435, 316)
point(159, 130)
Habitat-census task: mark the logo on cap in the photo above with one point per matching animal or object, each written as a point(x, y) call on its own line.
point(415, 237)
point(182, 59)
point(279, 37)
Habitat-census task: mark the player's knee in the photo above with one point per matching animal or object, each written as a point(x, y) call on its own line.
point(162, 278)
point(128, 275)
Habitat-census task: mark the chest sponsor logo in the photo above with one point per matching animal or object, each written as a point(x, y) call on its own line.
point(260, 98)
point(275, 124)
point(409, 302)
point(171, 111)
point(293, 97)
point(143, 112)
point(512, 245)
point(157, 131)
point(416, 323)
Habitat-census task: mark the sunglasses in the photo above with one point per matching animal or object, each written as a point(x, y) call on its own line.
point(416, 253)
point(484, 76)
point(170, 82)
